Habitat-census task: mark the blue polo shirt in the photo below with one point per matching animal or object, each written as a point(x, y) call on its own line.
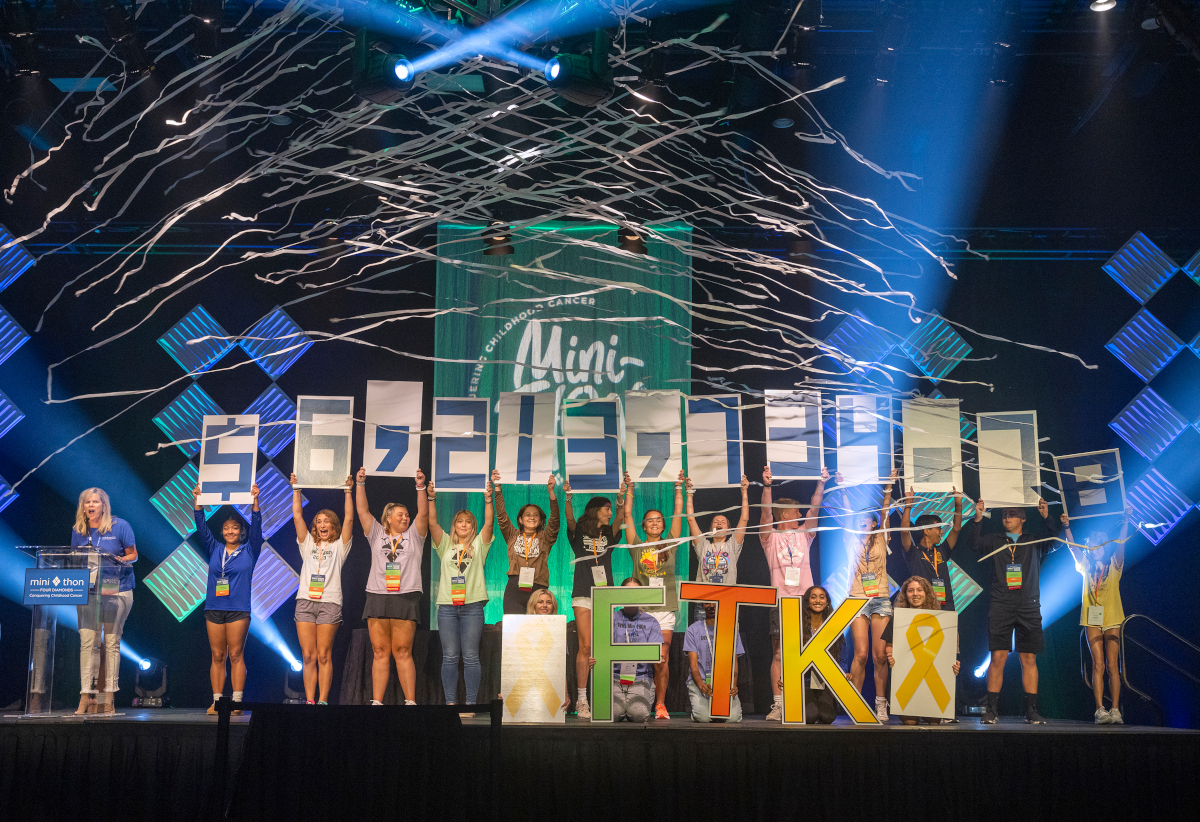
point(643, 629)
point(114, 542)
point(237, 567)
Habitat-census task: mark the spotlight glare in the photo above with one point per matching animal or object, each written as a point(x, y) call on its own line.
point(145, 664)
point(983, 666)
point(403, 70)
point(1103, 5)
point(297, 665)
point(783, 122)
point(553, 69)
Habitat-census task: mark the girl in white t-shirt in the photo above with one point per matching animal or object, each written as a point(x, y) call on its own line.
point(323, 548)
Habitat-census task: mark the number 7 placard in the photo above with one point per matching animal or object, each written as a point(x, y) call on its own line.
point(653, 436)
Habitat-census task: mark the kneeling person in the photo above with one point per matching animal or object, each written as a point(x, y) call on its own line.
point(699, 644)
point(633, 682)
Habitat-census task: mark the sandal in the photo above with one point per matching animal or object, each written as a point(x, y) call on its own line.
point(87, 705)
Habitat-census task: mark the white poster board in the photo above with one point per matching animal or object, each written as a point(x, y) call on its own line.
point(591, 444)
point(526, 446)
point(714, 441)
point(1008, 458)
point(324, 427)
point(392, 444)
point(533, 668)
point(228, 458)
point(932, 445)
point(653, 435)
point(795, 441)
point(925, 645)
point(1091, 484)
point(461, 453)
point(864, 438)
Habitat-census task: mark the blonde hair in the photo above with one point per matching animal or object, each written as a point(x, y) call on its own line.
point(464, 513)
point(530, 608)
point(81, 520)
point(334, 520)
point(387, 510)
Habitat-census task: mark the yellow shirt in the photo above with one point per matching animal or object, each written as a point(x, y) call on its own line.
point(1102, 587)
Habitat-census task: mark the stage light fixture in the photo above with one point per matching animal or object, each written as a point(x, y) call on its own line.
point(209, 19)
point(630, 240)
point(1103, 5)
point(583, 79)
point(499, 240)
point(19, 22)
point(150, 684)
point(293, 684)
point(380, 78)
point(123, 31)
point(983, 667)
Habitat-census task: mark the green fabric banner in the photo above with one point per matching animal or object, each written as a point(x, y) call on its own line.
point(565, 313)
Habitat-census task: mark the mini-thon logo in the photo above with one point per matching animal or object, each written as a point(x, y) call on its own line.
point(56, 580)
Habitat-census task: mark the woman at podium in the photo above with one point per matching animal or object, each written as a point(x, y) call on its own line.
point(96, 529)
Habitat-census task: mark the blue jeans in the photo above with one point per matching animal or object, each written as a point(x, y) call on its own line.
point(459, 627)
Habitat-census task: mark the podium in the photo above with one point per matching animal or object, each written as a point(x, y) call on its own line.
point(74, 580)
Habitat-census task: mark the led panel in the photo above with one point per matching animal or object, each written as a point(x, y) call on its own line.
point(180, 581)
point(14, 259)
point(274, 500)
point(183, 418)
point(12, 335)
point(10, 415)
point(7, 495)
point(1140, 267)
point(964, 588)
point(275, 342)
point(274, 583)
point(1145, 345)
point(1157, 505)
point(175, 501)
point(859, 341)
point(1192, 267)
point(1148, 423)
point(274, 406)
point(196, 357)
point(935, 347)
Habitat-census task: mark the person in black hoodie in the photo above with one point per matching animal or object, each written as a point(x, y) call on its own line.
point(1016, 560)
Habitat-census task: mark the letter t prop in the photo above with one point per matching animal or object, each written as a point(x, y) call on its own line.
point(604, 600)
point(797, 660)
point(729, 596)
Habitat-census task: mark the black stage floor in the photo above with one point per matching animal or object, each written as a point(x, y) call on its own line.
point(319, 763)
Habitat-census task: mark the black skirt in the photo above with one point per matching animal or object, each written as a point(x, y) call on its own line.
point(393, 606)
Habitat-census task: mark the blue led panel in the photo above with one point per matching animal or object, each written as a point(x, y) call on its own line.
point(274, 406)
point(1192, 267)
point(964, 588)
point(14, 259)
point(857, 340)
point(1140, 267)
point(196, 358)
point(1157, 505)
point(180, 582)
point(935, 347)
point(275, 342)
point(7, 495)
point(274, 583)
point(183, 418)
point(274, 500)
point(12, 335)
point(1145, 345)
point(966, 428)
point(10, 415)
point(1148, 423)
point(175, 501)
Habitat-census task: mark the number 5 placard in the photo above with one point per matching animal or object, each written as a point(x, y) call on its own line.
point(228, 459)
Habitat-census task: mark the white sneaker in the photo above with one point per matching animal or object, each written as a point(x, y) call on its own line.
point(881, 707)
point(775, 714)
point(1115, 718)
point(1102, 717)
point(583, 710)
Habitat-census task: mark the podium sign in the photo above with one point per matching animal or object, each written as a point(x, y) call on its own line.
point(56, 586)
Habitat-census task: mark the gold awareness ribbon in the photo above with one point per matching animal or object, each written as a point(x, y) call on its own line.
point(924, 654)
point(533, 651)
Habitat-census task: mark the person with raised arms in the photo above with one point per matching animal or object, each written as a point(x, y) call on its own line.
point(529, 545)
point(1102, 613)
point(925, 550)
point(654, 566)
point(869, 579)
point(916, 592)
point(786, 541)
point(97, 529)
point(591, 538)
point(227, 601)
point(323, 549)
point(397, 542)
point(717, 552)
point(699, 643)
point(462, 592)
point(1015, 607)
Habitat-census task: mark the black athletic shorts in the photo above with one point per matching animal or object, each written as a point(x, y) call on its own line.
point(219, 617)
point(1023, 617)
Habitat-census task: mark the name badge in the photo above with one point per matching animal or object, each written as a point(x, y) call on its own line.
point(458, 590)
point(525, 579)
point(391, 577)
point(1012, 574)
point(1095, 616)
point(110, 587)
point(708, 679)
point(939, 589)
point(222, 586)
point(657, 582)
point(870, 585)
point(791, 577)
point(815, 682)
point(599, 575)
point(628, 672)
point(316, 586)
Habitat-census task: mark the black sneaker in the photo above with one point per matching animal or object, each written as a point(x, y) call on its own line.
point(1032, 717)
point(988, 718)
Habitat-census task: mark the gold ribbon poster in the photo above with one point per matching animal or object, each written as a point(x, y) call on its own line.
point(533, 668)
point(925, 645)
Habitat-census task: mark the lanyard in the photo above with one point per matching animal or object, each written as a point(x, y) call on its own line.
point(395, 545)
point(460, 558)
point(1012, 550)
point(935, 562)
point(1100, 576)
point(321, 556)
point(526, 544)
point(226, 555)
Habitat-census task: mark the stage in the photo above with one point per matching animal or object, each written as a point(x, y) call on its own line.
point(159, 765)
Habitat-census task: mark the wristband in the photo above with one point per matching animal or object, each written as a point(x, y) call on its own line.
point(356, 482)
point(421, 487)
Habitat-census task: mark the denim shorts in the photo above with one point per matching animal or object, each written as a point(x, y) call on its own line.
point(877, 606)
